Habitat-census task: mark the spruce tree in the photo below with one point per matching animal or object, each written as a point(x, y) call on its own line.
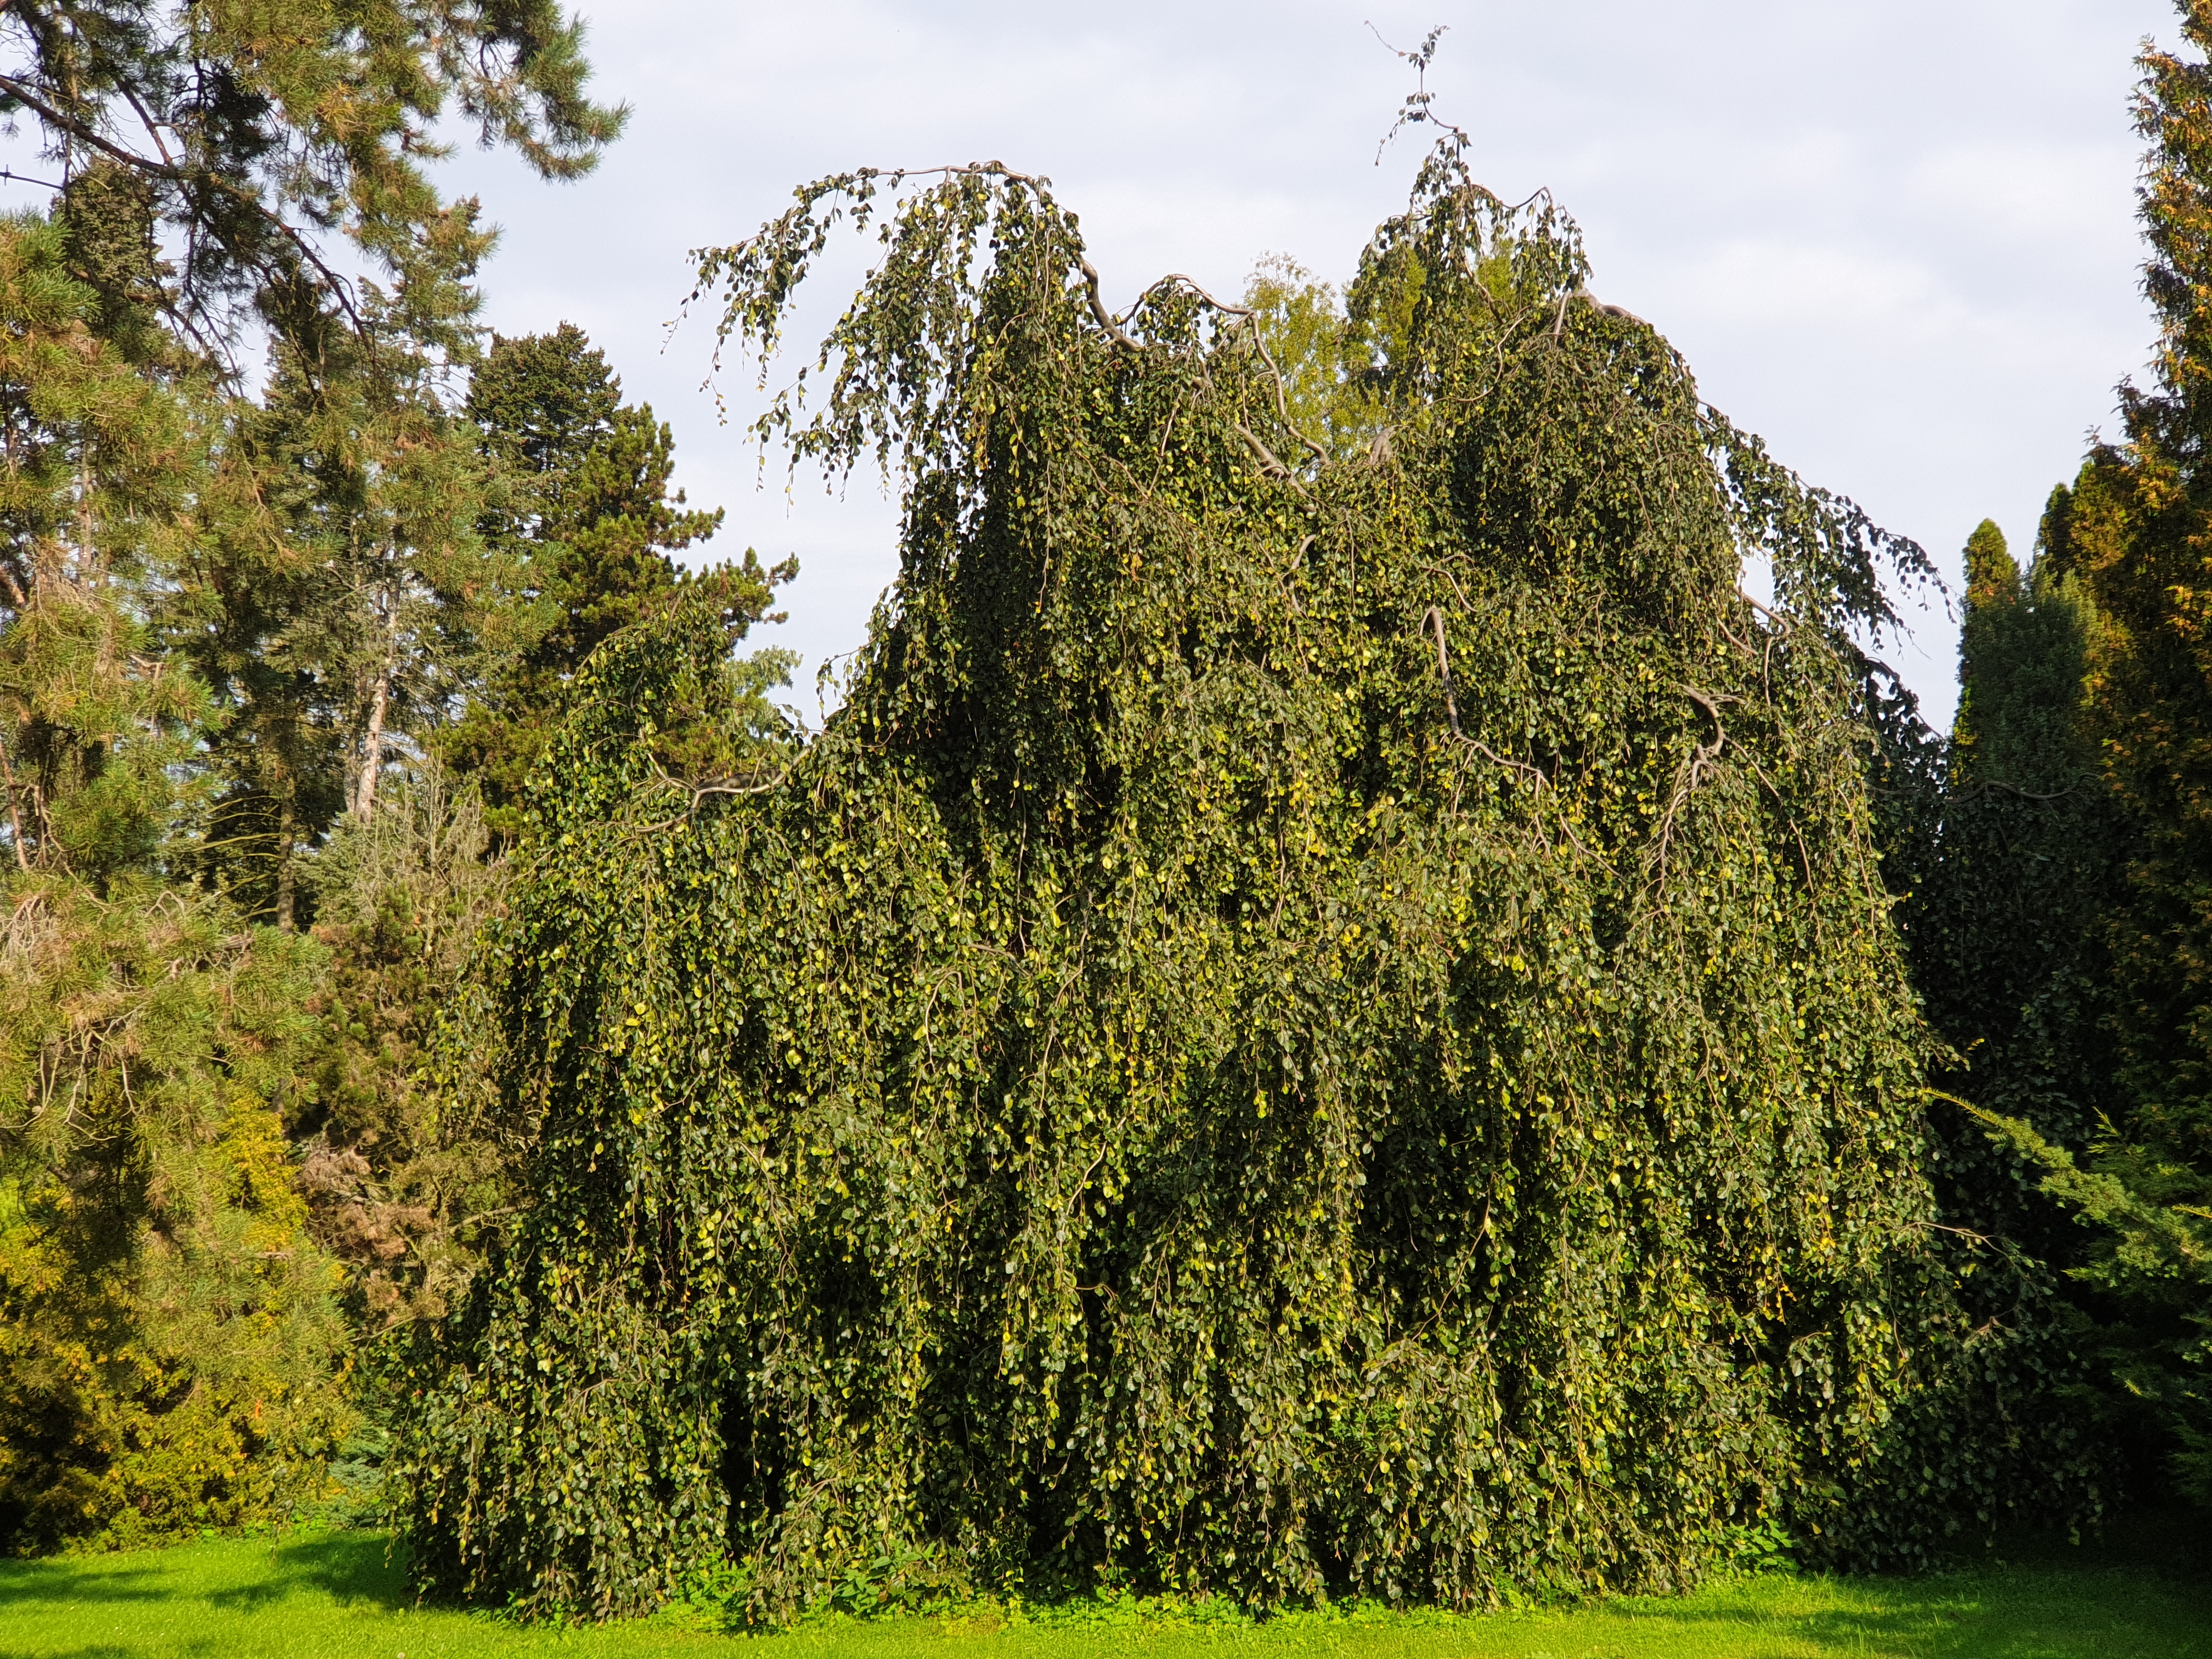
point(588, 517)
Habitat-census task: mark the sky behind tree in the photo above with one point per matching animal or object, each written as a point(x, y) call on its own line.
point(1895, 237)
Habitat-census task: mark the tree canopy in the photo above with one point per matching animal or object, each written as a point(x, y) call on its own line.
point(1325, 1019)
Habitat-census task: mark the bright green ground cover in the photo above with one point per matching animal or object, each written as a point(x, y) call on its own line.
point(333, 1596)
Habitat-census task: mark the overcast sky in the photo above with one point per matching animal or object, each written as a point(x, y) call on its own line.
point(1895, 237)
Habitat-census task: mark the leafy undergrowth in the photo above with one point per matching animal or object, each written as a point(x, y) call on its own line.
point(336, 1596)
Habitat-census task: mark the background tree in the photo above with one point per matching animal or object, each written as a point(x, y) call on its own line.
point(2126, 620)
point(398, 1189)
point(2007, 929)
point(587, 515)
point(340, 600)
point(166, 1333)
point(171, 1354)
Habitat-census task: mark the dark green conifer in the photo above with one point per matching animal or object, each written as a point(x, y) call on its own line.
point(2005, 931)
point(2125, 548)
point(587, 515)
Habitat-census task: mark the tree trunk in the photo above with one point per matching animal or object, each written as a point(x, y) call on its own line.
point(14, 818)
point(371, 749)
point(371, 736)
point(286, 828)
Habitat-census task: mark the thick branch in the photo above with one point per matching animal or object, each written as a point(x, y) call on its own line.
point(169, 170)
point(1436, 620)
point(1268, 461)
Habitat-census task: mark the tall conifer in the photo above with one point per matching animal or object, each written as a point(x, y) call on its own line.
point(2124, 552)
point(166, 1331)
point(584, 509)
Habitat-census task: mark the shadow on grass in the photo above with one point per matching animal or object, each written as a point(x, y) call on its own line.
point(349, 1567)
point(79, 1578)
point(2043, 1610)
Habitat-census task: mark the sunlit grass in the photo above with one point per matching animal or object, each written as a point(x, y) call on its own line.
point(336, 1596)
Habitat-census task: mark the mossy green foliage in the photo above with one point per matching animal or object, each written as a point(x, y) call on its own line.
point(1317, 1025)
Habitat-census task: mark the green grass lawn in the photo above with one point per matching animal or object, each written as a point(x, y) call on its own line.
point(334, 1595)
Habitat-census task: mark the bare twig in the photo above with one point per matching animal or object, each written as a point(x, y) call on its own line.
point(1692, 774)
point(1598, 304)
point(1707, 753)
point(1282, 407)
point(1535, 774)
point(1772, 615)
point(1421, 105)
point(14, 818)
point(146, 121)
point(2014, 789)
point(1106, 319)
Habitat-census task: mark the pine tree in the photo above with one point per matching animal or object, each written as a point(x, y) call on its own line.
point(588, 518)
point(170, 1351)
point(340, 600)
point(167, 1335)
point(251, 132)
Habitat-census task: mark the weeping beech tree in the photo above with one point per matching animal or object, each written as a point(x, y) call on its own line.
point(1324, 1019)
